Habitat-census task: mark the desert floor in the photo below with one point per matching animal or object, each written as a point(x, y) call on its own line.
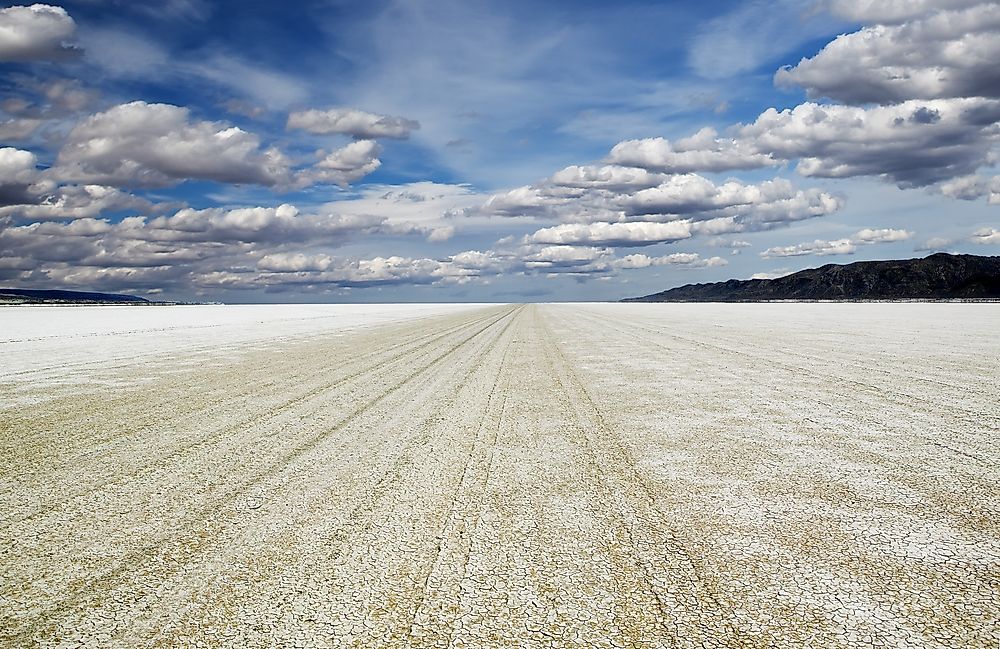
point(771, 475)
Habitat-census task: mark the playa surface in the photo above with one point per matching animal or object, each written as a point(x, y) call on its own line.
point(602, 475)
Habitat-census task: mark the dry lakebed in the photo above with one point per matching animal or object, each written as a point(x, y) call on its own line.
point(555, 475)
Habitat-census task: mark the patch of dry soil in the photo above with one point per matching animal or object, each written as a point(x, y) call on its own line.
point(519, 476)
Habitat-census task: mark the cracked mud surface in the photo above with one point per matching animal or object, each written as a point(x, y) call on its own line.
point(517, 476)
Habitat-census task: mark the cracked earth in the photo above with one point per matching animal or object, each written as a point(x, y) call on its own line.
point(795, 475)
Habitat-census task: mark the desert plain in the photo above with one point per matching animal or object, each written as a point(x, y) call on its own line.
point(556, 475)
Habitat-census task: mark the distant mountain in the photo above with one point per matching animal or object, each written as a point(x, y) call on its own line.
point(33, 296)
point(938, 277)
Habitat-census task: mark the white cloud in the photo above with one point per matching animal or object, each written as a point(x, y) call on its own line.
point(723, 242)
point(17, 166)
point(682, 259)
point(439, 234)
point(563, 256)
point(350, 121)
point(36, 32)
point(20, 180)
point(76, 202)
point(839, 246)
point(613, 194)
point(614, 177)
point(946, 54)
point(156, 145)
point(612, 234)
point(972, 187)
point(34, 104)
point(914, 143)
point(936, 243)
point(704, 151)
point(210, 247)
point(775, 274)
point(268, 225)
point(18, 128)
point(348, 164)
point(880, 235)
point(772, 201)
point(433, 210)
point(818, 247)
point(988, 236)
point(294, 262)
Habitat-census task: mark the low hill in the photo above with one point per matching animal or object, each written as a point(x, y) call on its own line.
point(939, 276)
point(38, 296)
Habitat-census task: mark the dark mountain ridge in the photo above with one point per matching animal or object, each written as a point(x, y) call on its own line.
point(40, 296)
point(940, 276)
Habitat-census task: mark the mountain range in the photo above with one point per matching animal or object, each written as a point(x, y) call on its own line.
point(41, 296)
point(940, 276)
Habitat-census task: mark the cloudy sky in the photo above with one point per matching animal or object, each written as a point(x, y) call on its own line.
point(490, 151)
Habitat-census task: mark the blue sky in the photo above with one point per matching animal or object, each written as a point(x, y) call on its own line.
point(438, 151)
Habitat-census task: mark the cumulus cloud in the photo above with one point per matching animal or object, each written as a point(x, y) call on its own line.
point(681, 259)
point(268, 225)
point(918, 90)
point(839, 246)
point(76, 202)
point(704, 151)
point(914, 143)
point(157, 145)
point(880, 235)
point(988, 236)
point(35, 104)
point(298, 270)
point(294, 262)
point(614, 177)
point(770, 202)
point(20, 180)
point(775, 274)
point(972, 187)
point(941, 55)
point(18, 128)
point(935, 243)
point(818, 247)
point(612, 234)
point(209, 247)
point(613, 193)
point(350, 121)
point(427, 209)
point(36, 32)
point(439, 234)
point(347, 164)
point(724, 242)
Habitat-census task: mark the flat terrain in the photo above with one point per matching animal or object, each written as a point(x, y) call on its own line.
point(793, 475)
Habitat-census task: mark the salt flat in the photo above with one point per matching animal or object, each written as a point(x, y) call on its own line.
point(602, 475)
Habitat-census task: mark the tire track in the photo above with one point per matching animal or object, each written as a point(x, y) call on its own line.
point(689, 605)
point(433, 620)
point(256, 420)
point(338, 536)
point(902, 400)
point(116, 404)
point(89, 588)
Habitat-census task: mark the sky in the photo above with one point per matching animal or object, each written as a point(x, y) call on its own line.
point(418, 151)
